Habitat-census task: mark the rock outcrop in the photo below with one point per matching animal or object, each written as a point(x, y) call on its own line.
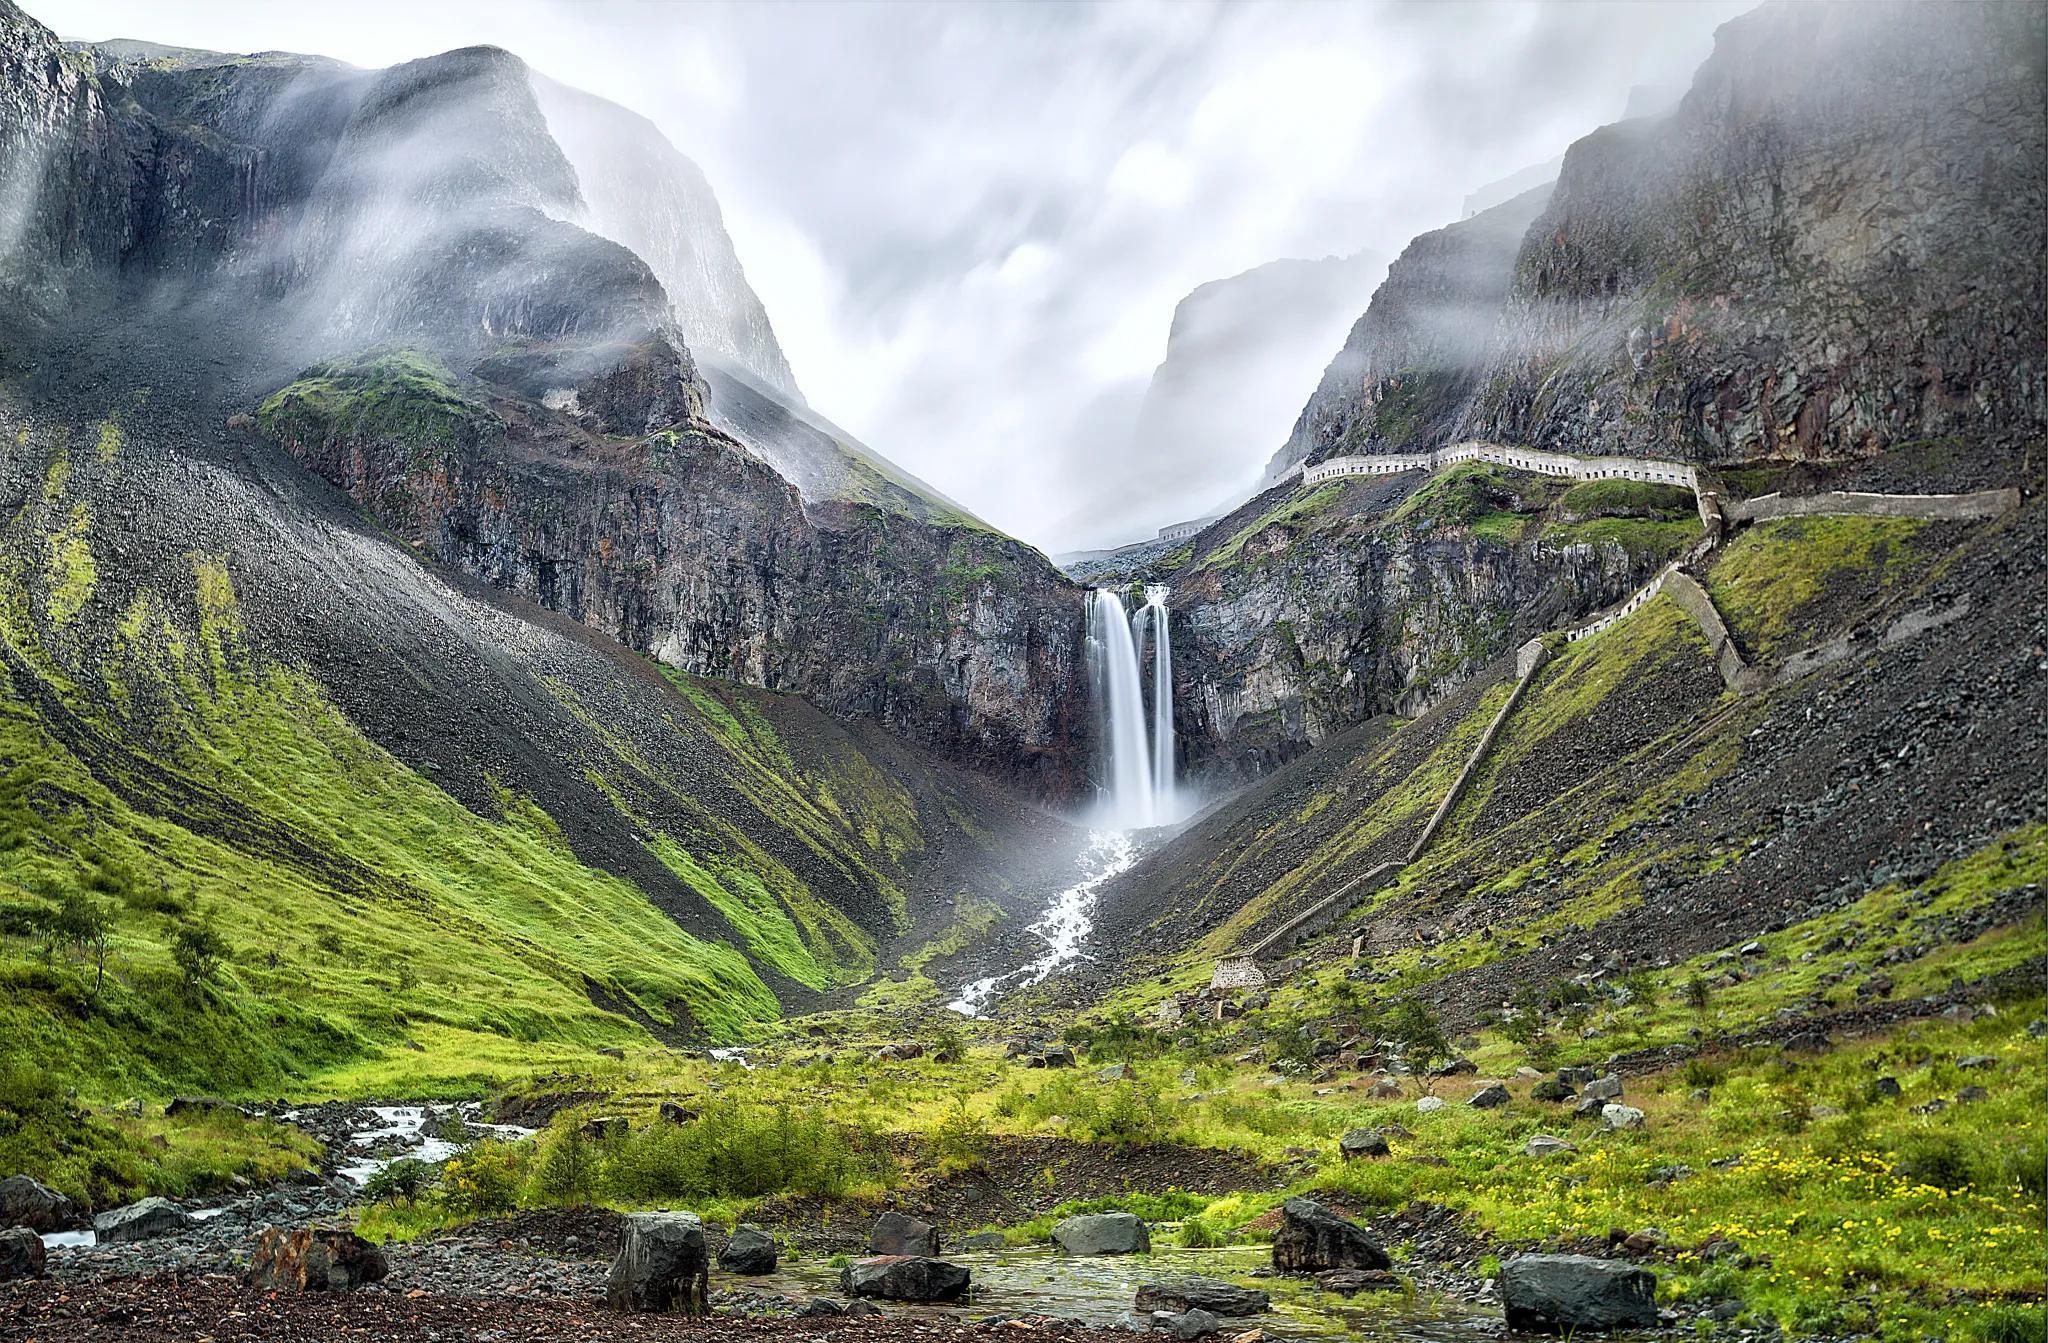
point(146, 1220)
point(1102, 1233)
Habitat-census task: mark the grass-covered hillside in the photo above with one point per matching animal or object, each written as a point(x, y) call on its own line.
point(299, 817)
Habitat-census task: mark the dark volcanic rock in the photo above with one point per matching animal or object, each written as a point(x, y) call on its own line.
point(1311, 1238)
point(1363, 1142)
point(146, 1220)
point(1218, 1298)
point(1103, 1233)
point(1571, 1293)
point(898, 1277)
point(21, 1254)
point(25, 1201)
point(895, 1234)
point(751, 1251)
point(661, 1266)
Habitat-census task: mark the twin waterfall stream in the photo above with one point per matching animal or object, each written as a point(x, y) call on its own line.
point(1136, 792)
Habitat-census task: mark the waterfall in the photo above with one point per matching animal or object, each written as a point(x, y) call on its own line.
point(1163, 799)
point(1138, 779)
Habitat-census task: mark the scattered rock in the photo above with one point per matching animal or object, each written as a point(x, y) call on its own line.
point(1977, 1061)
point(21, 1254)
point(1620, 1117)
point(1560, 1293)
point(1351, 1281)
point(1806, 1042)
point(1311, 1238)
point(1602, 1088)
point(602, 1127)
point(29, 1202)
point(1552, 1089)
point(1218, 1298)
point(1641, 1242)
point(1429, 1105)
point(861, 1308)
point(1102, 1233)
point(1059, 1058)
point(1543, 1144)
point(1969, 1094)
point(1886, 1088)
point(185, 1105)
point(1187, 1324)
point(324, 1259)
point(750, 1252)
point(675, 1112)
point(904, 1277)
point(984, 1240)
point(147, 1220)
point(1489, 1097)
point(661, 1265)
point(1363, 1142)
point(896, 1235)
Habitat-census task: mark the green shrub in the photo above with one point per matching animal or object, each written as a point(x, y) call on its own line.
point(1938, 1159)
point(566, 1169)
point(403, 1181)
point(2009, 1324)
point(736, 1150)
point(960, 1140)
point(485, 1179)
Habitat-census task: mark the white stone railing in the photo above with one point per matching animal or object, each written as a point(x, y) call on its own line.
point(1521, 459)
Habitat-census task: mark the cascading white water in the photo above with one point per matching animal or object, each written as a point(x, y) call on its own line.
point(1129, 802)
point(1165, 802)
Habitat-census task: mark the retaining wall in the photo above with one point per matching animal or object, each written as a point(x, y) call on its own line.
point(1951, 507)
point(1694, 601)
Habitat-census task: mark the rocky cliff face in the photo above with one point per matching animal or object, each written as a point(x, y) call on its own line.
point(684, 546)
point(1413, 359)
point(1831, 249)
point(1833, 246)
point(532, 414)
point(1312, 610)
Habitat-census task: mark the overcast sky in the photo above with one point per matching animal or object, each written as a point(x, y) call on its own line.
point(970, 222)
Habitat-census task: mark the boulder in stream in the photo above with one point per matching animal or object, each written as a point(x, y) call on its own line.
point(905, 1277)
point(1311, 1238)
point(750, 1252)
point(1218, 1298)
point(147, 1220)
point(1098, 1233)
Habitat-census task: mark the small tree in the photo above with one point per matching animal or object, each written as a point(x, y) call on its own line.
point(198, 951)
point(82, 923)
point(1421, 1039)
point(1699, 998)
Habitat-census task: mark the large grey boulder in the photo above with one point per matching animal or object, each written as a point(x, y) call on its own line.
point(661, 1265)
point(750, 1252)
point(905, 1277)
point(324, 1259)
point(1103, 1233)
point(21, 1254)
point(148, 1220)
point(1575, 1293)
point(1602, 1088)
point(25, 1201)
point(1311, 1238)
point(1218, 1298)
point(895, 1234)
point(1488, 1097)
point(1363, 1142)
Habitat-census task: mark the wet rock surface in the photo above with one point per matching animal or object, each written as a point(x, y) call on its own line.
point(905, 1277)
point(1312, 1238)
point(1570, 1293)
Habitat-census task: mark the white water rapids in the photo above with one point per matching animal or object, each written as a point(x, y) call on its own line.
point(1137, 793)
